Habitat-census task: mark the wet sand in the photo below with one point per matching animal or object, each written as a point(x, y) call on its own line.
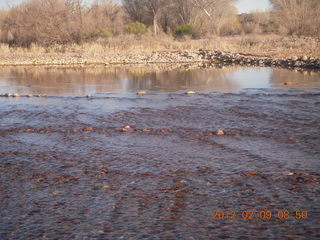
point(70, 169)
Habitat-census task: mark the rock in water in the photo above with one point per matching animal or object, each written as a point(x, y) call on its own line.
point(289, 83)
point(141, 93)
point(220, 132)
point(190, 92)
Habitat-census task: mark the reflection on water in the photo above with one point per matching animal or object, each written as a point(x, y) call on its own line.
point(126, 79)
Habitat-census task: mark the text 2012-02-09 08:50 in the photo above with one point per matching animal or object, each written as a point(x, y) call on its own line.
point(261, 215)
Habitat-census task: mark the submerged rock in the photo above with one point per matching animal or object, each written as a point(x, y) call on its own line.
point(251, 173)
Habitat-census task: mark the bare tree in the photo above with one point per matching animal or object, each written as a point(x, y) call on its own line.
point(215, 10)
point(209, 14)
point(298, 16)
point(105, 14)
point(147, 11)
point(43, 21)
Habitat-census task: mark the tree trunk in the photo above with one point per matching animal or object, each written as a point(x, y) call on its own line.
point(155, 25)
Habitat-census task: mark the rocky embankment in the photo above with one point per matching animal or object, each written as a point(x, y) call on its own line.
point(258, 60)
point(202, 57)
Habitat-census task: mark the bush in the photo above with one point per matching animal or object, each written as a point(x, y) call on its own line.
point(187, 30)
point(136, 28)
point(106, 33)
point(232, 27)
point(269, 27)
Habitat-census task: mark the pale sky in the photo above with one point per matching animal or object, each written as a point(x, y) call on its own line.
point(245, 6)
point(242, 5)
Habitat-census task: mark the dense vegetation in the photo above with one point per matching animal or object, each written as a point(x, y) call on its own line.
point(48, 22)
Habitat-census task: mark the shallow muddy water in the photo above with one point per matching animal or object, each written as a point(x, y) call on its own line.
point(70, 169)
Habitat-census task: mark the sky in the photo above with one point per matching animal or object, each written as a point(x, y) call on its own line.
point(243, 6)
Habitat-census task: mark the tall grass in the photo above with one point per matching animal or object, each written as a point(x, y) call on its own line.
point(273, 45)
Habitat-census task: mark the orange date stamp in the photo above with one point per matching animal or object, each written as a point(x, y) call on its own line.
point(259, 215)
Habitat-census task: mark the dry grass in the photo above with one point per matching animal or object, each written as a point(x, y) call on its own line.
point(275, 45)
point(118, 48)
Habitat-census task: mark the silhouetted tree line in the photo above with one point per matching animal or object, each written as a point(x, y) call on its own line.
point(48, 22)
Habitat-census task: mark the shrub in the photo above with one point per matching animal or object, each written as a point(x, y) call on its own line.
point(136, 28)
point(187, 30)
point(269, 27)
point(105, 33)
point(232, 27)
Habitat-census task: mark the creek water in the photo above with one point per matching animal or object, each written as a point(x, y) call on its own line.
point(70, 169)
point(91, 80)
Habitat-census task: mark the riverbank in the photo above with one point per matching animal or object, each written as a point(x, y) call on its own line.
point(203, 57)
point(248, 51)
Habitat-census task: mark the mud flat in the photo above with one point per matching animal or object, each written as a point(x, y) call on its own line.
point(78, 168)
